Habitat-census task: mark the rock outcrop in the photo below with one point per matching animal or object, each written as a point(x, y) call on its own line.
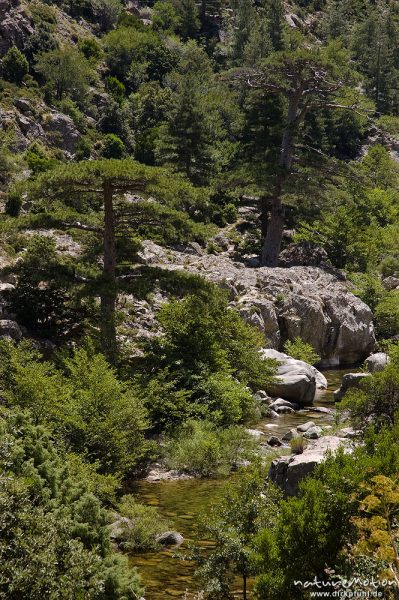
point(376, 362)
point(391, 283)
point(38, 123)
point(285, 303)
point(15, 25)
point(61, 131)
point(288, 471)
point(10, 330)
point(349, 381)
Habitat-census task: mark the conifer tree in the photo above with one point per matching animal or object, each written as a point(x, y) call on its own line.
point(309, 79)
point(189, 18)
point(187, 140)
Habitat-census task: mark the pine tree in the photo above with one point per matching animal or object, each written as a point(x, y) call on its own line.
point(189, 18)
point(309, 80)
point(375, 44)
point(99, 180)
point(187, 140)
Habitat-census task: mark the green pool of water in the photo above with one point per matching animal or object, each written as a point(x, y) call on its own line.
point(164, 575)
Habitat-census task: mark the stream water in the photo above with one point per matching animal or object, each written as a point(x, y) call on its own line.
point(164, 575)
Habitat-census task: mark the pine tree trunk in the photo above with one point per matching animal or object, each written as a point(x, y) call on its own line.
point(203, 11)
point(274, 235)
point(275, 223)
point(109, 292)
point(245, 587)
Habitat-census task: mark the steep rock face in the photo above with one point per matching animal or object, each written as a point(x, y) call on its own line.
point(39, 123)
point(285, 303)
point(15, 25)
point(61, 131)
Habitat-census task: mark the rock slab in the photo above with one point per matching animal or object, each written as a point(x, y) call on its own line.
point(288, 471)
point(349, 381)
point(296, 380)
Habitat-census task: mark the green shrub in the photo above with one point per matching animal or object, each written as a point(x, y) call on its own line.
point(90, 48)
point(38, 159)
point(53, 537)
point(13, 204)
point(43, 15)
point(113, 146)
point(297, 445)
point(191, 370)
point(390, 266)
point(201, 448)
point(84, 404)
point(145, 526)
point(226, 399)
point(387, 315)
point(42, 297)
point(15, 66)
point(164, 16)
point(84, 147)
point(377, 401)
point(369, 288)
point(115, 88)
point(249, 503)
point(300, 350)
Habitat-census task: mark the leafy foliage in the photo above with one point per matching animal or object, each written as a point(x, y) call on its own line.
point(14, 65)
point(248, 505)
point(53, 536)
point(89, 410)
point(378, 398)
point(205, 349)
point(200, 448)
point(300, 350)
point(144, 525)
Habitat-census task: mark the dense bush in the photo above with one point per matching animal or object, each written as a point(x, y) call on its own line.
point(201, 448)
point(113, 146)
point(54, 540)
point(204, 360)
point(314, 533)
point(387, 315)
point(84, 404)
point(42, 298)
point(300, 350)
point(377, 400)
point(145, 524)
point(13, 204)
point(14, 66)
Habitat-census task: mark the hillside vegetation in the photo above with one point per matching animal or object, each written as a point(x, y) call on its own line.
point(257, 132)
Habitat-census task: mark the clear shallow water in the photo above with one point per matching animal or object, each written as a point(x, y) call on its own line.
point(165, 576)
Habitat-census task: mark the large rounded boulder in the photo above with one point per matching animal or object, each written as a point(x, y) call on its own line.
point(295, 380)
